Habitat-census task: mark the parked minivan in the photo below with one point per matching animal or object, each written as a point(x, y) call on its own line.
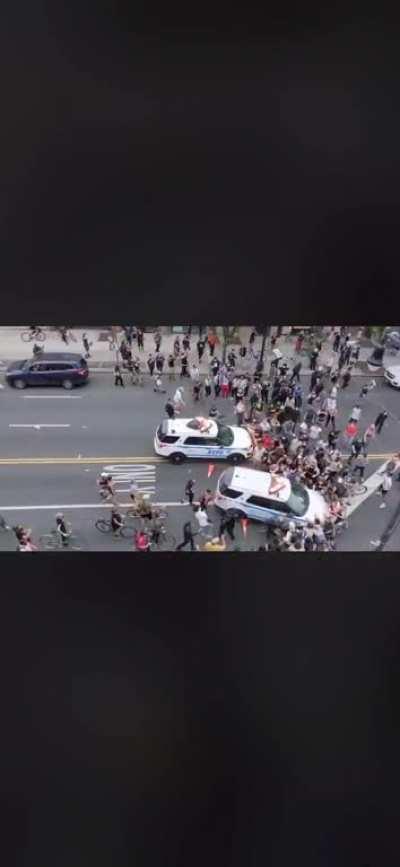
point(52, 368)
point(266, 497)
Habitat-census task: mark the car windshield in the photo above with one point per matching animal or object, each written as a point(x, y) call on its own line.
point(299, 500)
point(225, 435)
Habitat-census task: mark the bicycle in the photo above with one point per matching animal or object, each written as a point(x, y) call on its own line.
point(165, 541)
point(355, 488)
point(105, 526)
point(137, 379)
point(28, 336)
point(53, 542)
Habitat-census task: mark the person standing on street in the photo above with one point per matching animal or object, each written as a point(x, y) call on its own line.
point(177, 347)
point(202, 520)
point(346, 378)
point(86, 345)
point(179, 402)
point(151, 364)
point(140, 339)
point(296, 372)
point(207, 386)
point(380, 421)
point(313, 359)
point(240, 411)
point(118, 378)
point(212, 341)
point(355, 413)
point(186, 342)
point(200, 348)
point(189, 491)
point(360, 466)
point(171, 367)
point(184, 365)
point(384, 489)
point(157, 341)
point(227, 525)
point(160, 360)
point(169, 408)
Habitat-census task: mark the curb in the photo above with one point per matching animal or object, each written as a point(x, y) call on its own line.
point(107, 367)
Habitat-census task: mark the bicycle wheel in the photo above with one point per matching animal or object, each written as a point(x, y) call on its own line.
point(103, 526)
point(128, 531)
point(40, 336)
point(166, 542)
point(26, 337)
point(49, 542)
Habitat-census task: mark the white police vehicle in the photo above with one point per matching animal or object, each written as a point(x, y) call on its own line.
point(179, 439)
point(269, 498)
point(392, 376)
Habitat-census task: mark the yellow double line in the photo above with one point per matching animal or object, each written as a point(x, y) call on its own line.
point(154, 459)
point(15, 462)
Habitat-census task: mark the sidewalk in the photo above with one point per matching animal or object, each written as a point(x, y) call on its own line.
point(102, 358)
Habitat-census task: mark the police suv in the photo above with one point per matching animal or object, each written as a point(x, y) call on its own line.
point(179, 439)
point(266, 497)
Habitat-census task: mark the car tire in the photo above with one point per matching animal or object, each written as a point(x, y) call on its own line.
point(236, 459)
point(19, 383)
point(177, 458)
point(237, 514)
point(68, 384)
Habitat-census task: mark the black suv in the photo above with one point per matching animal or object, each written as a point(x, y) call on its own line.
point(51, 368)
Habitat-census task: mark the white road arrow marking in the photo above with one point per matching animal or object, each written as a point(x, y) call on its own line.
point(143, 474)
point(39, 426)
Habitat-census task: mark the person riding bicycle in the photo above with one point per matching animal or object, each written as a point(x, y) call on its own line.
point(62, 529)
point(105, 485)
point(116, 522)
point(156, 526)
point(142, 541)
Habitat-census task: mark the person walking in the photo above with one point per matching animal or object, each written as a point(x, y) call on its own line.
point(296, 372)
point(177, 347)
point(346, 379)
point(313, 359)
point(189, 491)
point(140, 339)
point(202, 520)
point(360, 466)
point(384, 489)
point(86, 345)
point(157, 341)
point(355, 414)
point(160, 360)
point(336, 342)
point(212, 341)
point(227, 525)
point(171, 367)
point(207, 386)
point(179, 402)
point(200, 348)
point(184, 365)
point(224, 383)
point(151, 364)
point(331, 412)
point(187, 537)
point(240, 412)
point(380, 421)
point(186, 342)
point(118, 379)
point(169, 408)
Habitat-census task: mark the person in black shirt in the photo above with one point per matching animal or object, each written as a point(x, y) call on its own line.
point(151, 363)
point(227, 526)
point(187, 537)
point(62, 529)
point(171, 366)
point(189, 492)
point(140, 339)
point(118, 380)
point(200, 347)
point(169, 408)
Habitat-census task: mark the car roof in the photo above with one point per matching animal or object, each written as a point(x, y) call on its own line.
point(59, 356)
point(180, 426)
point(258, 483)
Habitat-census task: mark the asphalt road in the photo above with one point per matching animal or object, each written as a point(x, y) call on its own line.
point(45, 468)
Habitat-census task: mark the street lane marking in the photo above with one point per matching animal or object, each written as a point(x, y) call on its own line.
point(49, 397)
point(372, 484)
point(75, 461)
point(78, 506)
point(38, 426)
point(143, 474)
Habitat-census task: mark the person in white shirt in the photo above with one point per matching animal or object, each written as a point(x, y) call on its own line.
point(356, 413)
point(202, 520)
point(179, 402)
point(384, 489)
point(315, 431)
